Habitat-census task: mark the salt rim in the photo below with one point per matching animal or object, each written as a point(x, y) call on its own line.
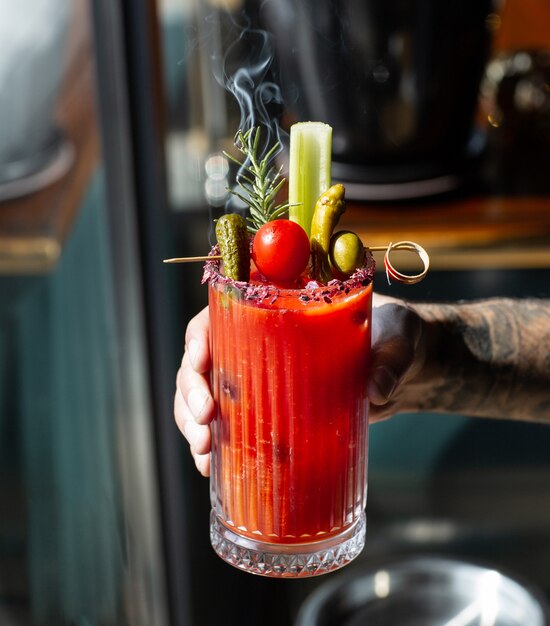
point(312, 292)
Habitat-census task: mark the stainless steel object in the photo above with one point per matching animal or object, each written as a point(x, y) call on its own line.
point(397, 81)
point(425, 591)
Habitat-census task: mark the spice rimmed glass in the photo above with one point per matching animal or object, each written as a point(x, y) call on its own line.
point(289, 449)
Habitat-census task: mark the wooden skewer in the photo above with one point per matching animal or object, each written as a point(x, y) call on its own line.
point(198, 259)
point(192, 259)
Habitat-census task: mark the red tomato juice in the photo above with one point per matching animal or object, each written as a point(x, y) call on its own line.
point(289, 453)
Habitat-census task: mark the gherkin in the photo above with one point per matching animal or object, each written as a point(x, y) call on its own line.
point(328, 209)
point(231, 233)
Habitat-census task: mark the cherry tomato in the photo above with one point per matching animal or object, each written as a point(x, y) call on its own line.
point(281, 251)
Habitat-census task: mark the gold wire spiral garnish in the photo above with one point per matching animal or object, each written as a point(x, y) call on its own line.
point(410, 246)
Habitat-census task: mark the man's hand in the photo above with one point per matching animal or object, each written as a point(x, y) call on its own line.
point(396, 357)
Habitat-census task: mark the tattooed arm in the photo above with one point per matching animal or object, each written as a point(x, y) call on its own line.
point(489, 358)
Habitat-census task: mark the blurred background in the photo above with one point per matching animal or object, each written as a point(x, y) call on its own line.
point(114, 118)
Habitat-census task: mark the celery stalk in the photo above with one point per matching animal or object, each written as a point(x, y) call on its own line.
point(309, 172)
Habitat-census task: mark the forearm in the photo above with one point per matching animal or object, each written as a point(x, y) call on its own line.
point(489, 358)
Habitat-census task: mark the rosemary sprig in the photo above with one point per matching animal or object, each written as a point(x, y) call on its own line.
point(259, 179)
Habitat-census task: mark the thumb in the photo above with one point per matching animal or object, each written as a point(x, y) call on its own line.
point(396, 331)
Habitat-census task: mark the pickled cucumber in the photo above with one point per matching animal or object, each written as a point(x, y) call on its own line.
point(231, 233)
point(328, 209)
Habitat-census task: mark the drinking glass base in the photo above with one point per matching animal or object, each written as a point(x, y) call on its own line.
point(287, 560)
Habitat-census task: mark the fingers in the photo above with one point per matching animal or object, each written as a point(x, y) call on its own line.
point(194, 373)
point(197, 342)
point(198, 435)
point(396, 332)
point(194, 388)
point(193, 403)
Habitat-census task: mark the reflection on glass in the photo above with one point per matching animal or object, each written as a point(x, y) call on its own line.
point(202, 116)
point(79, 512)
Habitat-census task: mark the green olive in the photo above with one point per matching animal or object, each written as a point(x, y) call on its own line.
point(347, 253)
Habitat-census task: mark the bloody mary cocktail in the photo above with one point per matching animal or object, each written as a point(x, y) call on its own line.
point(289, 451)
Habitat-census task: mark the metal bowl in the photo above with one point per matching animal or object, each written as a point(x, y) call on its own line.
point(425, 591)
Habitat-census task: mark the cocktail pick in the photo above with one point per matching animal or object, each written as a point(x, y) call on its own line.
point(193, 259)
point(391, 272)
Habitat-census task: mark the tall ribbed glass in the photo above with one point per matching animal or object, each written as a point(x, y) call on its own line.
point(289, 451)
